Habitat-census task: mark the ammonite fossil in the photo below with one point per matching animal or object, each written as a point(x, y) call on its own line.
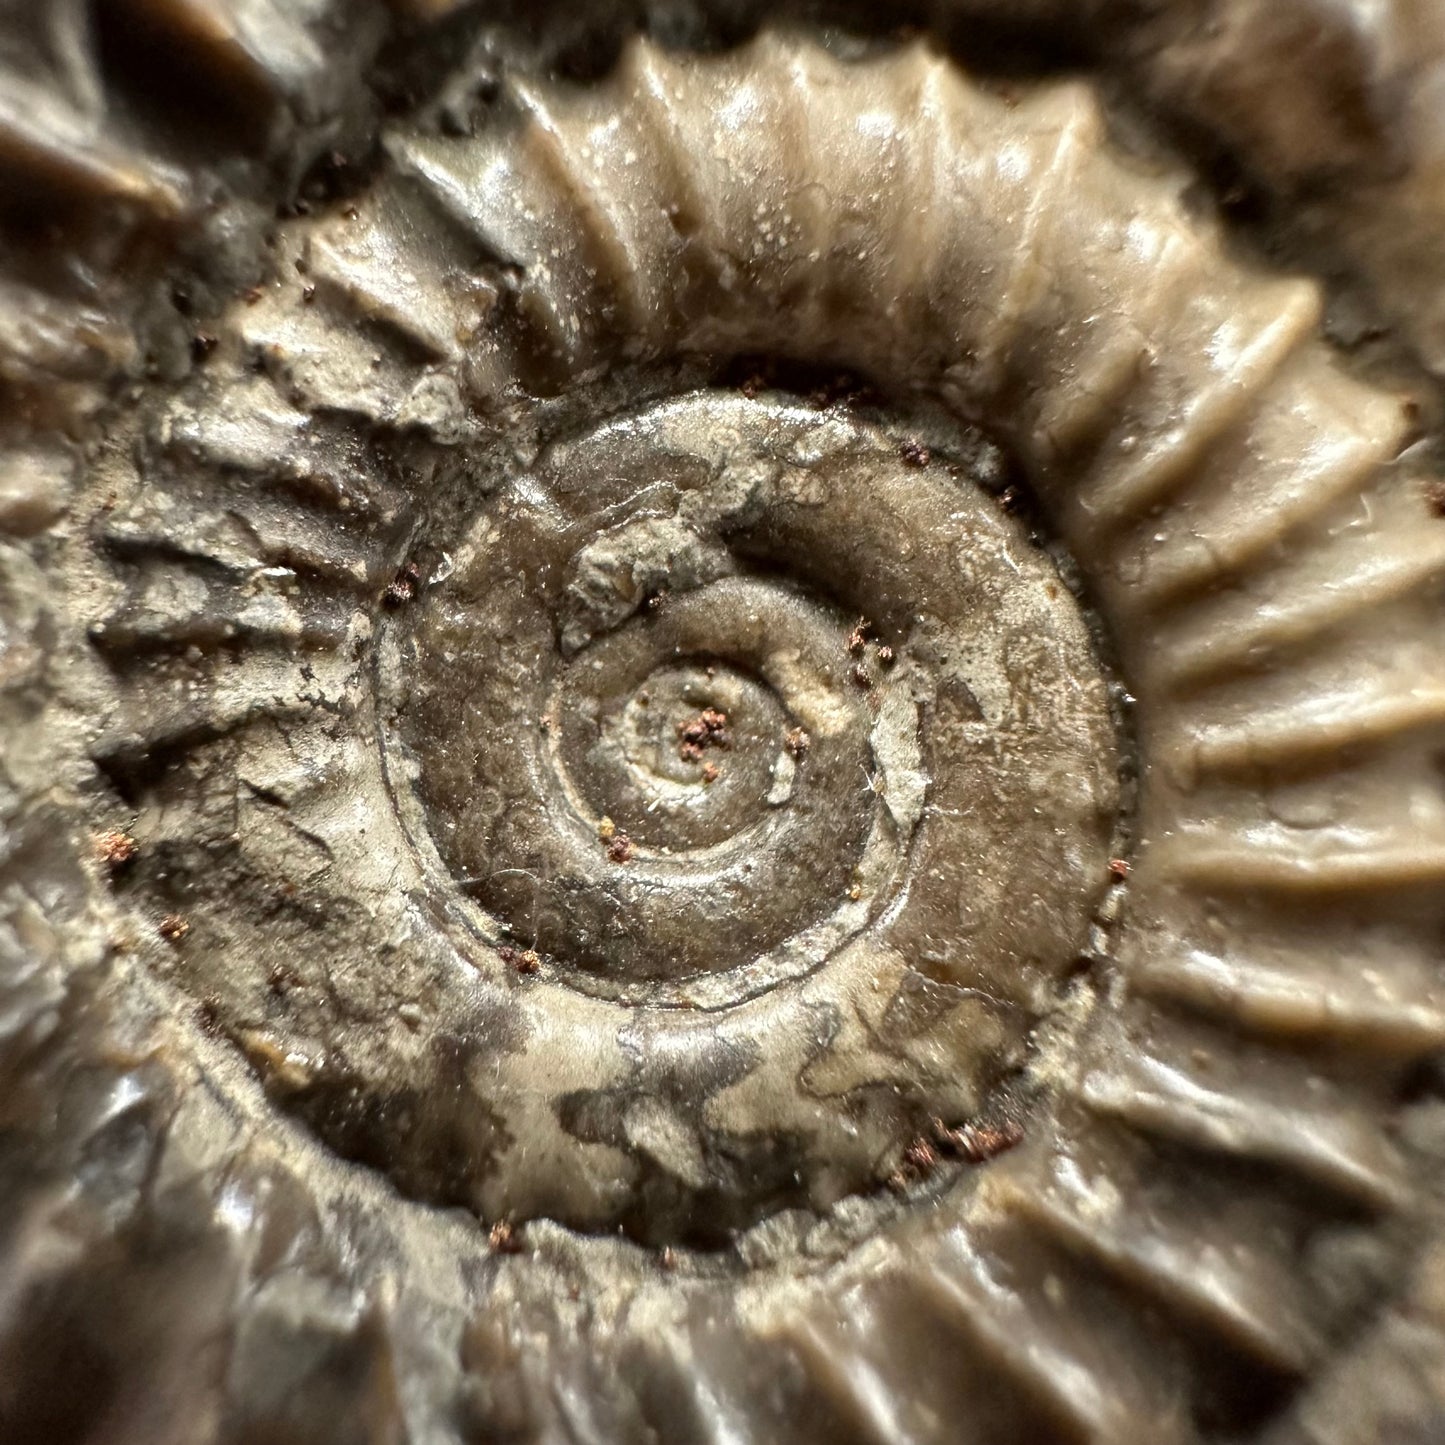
point(716, 730)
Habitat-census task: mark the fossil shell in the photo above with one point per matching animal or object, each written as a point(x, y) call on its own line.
point(1324, 113)
point(1356, 159)
point(618, 698)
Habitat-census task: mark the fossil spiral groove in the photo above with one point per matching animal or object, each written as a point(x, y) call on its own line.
point(682, 822)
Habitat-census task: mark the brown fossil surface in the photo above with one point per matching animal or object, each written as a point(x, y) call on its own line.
point(717, 730)
point(1353, 166)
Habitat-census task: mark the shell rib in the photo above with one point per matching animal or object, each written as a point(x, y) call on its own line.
point(149, 136)
point(1329, 110)
point(1364, 86)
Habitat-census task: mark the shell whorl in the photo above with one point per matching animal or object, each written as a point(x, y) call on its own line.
point(145, 140)
point(379, 585)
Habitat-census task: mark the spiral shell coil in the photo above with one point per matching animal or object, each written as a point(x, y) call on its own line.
point(682, 822)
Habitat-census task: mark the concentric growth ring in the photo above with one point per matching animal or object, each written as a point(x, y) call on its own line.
point(727, 709)
point(667, 710)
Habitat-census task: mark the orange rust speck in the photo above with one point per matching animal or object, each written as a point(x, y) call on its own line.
point(116, 849)
point(173, 928)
